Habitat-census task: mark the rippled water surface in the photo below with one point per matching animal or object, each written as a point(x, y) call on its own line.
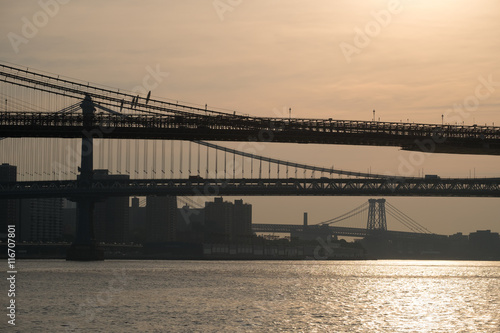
point(257, 296)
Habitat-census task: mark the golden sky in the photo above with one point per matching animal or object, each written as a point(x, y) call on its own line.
point(409, 60)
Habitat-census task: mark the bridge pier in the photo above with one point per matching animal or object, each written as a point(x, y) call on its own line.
point(85, 248)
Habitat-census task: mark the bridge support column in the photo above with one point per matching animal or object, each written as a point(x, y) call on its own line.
point(377, 220)
point(85, 247)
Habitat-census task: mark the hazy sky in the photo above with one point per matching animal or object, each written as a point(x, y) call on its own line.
point(407, 59)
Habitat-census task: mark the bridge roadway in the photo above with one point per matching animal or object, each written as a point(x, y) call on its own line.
point(226, 127)
point(331, 230)
point(444, 187)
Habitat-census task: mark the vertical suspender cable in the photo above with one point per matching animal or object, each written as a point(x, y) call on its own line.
point(172, 159)
point(207, 162)
point(50, 159)
point(21, 168)
point(99, 143)
point(199, 148)
point(119, 157)
point(42, 147)
point(59, 161)
point(46, 165)
point(136, 153)
point(180, 158)
point(40, 159)
point(189, 167)
point(23, 147)
point(146, 144)
point(154, 158)
point(163, 157)
point(260, 168)
point(108, 152)
point(127, 157)
point(25, 158)
point(251, 167)
point(52, 154)
point(216, 162)
point(30, 158)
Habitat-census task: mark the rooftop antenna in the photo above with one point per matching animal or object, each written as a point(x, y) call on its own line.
point(373, 115)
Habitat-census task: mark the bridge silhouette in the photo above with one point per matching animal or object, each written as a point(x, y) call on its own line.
point(376, 224)
point(134, 116)
point(39, 106)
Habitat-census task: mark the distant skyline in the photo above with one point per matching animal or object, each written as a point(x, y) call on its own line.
point(417, 61)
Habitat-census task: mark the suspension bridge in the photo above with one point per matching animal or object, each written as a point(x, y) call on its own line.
point(56, 131)
point(374, 212)
point(132, 116)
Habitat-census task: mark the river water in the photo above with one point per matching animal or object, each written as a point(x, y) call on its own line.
point(256, 296)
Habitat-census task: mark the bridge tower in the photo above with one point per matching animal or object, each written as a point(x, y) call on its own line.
point(85, 248)
point(376, 215)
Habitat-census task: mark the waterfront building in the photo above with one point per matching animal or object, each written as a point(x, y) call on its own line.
point(485, 244)
point(242, 221)
point(137, 216)
point(218, 220)
point(227, 221)
point(190, 224)
point(40, 220)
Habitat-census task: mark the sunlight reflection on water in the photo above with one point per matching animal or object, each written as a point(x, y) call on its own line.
point(259, 296)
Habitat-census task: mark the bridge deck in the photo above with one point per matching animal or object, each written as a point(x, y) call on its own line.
point(332, 230)
point(420, 137)
point(452, 187)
